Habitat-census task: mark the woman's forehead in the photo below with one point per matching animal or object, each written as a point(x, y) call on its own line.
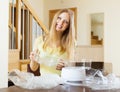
point(64, 15)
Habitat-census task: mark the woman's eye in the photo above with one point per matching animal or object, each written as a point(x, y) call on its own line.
point(59, 18)
point(63, 20)
point(66, 22)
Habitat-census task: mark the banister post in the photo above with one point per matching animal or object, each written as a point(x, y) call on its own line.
point(18, 24)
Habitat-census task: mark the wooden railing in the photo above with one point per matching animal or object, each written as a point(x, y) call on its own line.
point(29, 7)
point(22, 16)
point(21, 22)
point(10, 26)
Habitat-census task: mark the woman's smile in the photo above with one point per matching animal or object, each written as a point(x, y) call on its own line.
point(62, 22)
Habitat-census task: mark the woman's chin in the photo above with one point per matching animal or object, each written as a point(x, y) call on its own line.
point(59, 30)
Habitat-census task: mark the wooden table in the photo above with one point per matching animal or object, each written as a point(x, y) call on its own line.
point(60, 88)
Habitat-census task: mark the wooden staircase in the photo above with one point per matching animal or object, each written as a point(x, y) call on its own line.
point(20, 13)
point(95, 40)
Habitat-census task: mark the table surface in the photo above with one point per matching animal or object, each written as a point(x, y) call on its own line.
point(60, 88)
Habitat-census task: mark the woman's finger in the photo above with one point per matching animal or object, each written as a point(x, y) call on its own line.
point(60, 65)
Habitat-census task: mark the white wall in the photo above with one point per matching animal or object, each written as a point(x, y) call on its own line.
point(111, 24)
point(111, 9)
point(84, 39)
point(3, 43)
point(111, 27)
point(38, 5)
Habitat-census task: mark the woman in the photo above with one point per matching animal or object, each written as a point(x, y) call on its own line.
point(58, 45)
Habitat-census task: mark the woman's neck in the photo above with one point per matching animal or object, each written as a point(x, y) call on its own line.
point(58, 36)
point(55, 43)
point(55, 40)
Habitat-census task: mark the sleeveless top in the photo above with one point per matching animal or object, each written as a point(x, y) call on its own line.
point(49, 58)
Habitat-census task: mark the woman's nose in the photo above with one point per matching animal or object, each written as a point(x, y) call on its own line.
point(60, 22)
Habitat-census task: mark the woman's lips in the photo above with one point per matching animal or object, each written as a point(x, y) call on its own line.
point(59, 26)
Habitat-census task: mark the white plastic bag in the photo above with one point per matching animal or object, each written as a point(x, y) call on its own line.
point(29, 81)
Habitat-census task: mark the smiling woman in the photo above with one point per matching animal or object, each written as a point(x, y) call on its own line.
point(58, 45)
point(62, 22)
point(52, 51)
point(54, 11)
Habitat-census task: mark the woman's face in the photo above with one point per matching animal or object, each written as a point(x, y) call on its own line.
point(62, 22)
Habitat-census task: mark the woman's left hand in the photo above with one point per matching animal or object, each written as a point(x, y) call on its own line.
point(60, 65)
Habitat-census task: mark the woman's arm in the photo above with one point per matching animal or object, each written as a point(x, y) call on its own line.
point(35, 72)
point(63, 63)
point(33, 67)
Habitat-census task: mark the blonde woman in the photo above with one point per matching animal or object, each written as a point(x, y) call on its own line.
point(57, 46)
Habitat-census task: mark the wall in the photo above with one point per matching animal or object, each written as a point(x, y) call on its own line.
point(3, 45)
point(84, 38)
point(38, 5)
point(111, 27)
point(94, 53)
point(111, 24)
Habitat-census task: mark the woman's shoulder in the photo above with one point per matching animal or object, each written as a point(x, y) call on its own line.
point(38, 42)
point(39, 39)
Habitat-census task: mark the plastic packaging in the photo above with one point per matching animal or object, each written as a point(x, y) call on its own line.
point(29, 81)
point(103, 82)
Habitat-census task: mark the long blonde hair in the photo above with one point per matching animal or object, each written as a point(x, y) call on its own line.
point(68, 36)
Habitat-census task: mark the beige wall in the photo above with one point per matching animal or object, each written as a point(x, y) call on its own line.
point(110, 8)
point(111, 24)
point(94, 53)
point(38, 5)
point(111, 27)
point(85, 7)
point(3, 43)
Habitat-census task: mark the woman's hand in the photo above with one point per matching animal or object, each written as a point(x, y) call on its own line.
point(33, 64)
point(32, 56)
point(60, 65)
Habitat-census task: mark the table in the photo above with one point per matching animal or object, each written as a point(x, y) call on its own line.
point(60, 88)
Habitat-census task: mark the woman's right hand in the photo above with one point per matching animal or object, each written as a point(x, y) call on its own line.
point(33, 64)
point(60, 64)
point(32, 56)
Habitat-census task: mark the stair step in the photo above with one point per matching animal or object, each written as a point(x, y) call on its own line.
point(91, 33)
point(94, 37)
point(96, 42)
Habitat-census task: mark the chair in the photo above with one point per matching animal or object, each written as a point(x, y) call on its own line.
point(107, 67)
point(23, 64)
point(97, 65)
